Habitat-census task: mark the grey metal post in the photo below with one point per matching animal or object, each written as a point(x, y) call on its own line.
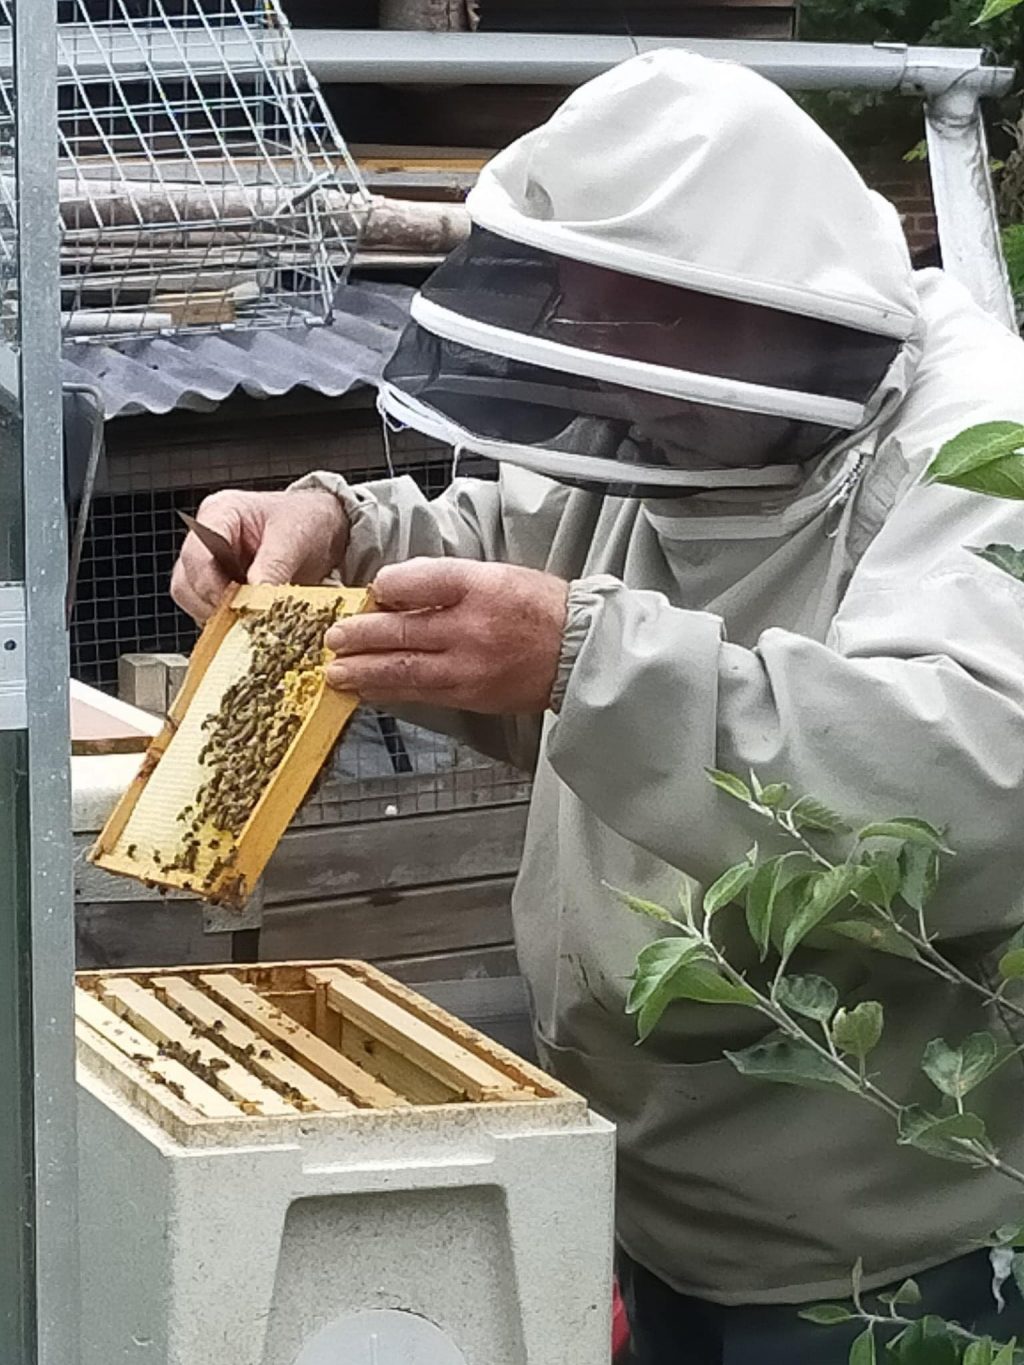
point(965, 206)
point(38, 1192)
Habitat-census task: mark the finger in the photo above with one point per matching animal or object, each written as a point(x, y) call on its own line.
point(389, 632)
point(197, 584)
point(420, 583)
point(281, 551)
point(399, 677)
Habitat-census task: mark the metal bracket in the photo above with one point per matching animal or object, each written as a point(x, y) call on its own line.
point(13, 657)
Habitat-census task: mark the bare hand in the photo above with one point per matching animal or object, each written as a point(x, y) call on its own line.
point(286, 537)
point(455, 633)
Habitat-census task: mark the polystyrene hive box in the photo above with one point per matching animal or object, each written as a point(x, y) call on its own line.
point(308, 1164)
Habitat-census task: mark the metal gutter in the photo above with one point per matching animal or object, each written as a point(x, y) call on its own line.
point(352, 56)
point(348, 56)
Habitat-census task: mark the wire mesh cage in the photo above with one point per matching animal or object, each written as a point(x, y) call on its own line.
point(203, 182)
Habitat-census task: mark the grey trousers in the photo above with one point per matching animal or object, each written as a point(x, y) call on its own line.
point(672, 1329)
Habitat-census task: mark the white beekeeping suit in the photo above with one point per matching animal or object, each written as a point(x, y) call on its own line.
point(693, 339)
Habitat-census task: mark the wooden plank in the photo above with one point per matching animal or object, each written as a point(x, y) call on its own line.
point(386, 923)
point(203, 307)
point(298, 1042)
point(393, 1068)
point(178, 1079)
point(143, 934)
point(165, 1028)
point(425, 1009)
point(439, 1055)
point(470, 964)
point(422, 850)
point(102, 725)
point(142, 682)
point(298, 1005)
point(262, 1057)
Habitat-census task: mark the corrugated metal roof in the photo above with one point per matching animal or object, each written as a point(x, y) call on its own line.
point(197, 371)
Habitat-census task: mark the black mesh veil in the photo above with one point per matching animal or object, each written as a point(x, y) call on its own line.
point(532, 296)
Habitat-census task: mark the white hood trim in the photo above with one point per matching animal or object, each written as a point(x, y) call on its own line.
point(684, 384)
point(561, 240)
point(399, 409)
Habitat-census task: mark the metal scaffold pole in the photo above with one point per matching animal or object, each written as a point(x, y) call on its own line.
point(38, 1194)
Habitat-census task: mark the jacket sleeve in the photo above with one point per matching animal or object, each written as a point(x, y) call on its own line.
point(512, 520)
point(913, 705)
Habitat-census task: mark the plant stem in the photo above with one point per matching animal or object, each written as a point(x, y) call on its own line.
point(766, 1006)
point(857, 1076)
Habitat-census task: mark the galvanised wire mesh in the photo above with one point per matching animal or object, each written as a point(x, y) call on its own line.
point(383, 767)
point(203, 182)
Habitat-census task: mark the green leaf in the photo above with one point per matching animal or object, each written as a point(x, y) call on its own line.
point(789, 1061)
point(857, 1031)
point(942, 1137)
point(908, 1294)
point(728, 887)
point(1006, 1355)
point(1011, 964)
point(646, 908)
point(730, 784)
point(811, 996)
point(703, 982)
point(907, 831)
point(920, 868)
point(994, 8)
point(827, 891)
point(862, 1352)
point(659, 967)
point(810, 813)
point(1009, 1235)
point(882, 884)
point(1013, 253)
point(957, 1070)
point(827, 1314)
point(654, 962)
point(1004, 557)
point(875, 934)
point(979, 1352)
point(774, 794)
point(769, 881)
point(926, 1342)
point(985, 458)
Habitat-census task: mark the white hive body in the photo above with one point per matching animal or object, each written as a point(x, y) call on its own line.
point(203, 182)
point(382, 1187)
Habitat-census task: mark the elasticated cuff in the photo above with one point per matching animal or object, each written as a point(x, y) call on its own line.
point(585, 598)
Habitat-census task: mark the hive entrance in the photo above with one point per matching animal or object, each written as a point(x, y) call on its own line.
point(288, 1040)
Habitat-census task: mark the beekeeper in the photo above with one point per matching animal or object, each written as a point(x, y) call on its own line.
point(691, 339)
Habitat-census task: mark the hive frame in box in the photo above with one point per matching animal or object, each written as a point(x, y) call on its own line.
point(479, 1214)
point(120, 847)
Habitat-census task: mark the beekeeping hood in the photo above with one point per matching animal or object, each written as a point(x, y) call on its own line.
point(678, 282)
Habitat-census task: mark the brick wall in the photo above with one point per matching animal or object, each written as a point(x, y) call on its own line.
point(908, 186)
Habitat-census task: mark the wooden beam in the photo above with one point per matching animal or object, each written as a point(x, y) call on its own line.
point(280, 1071)
point(314, 1054)
point(441, 1056)
point(211, 1063)
point(138, 1048)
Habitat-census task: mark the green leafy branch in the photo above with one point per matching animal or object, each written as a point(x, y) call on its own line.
point(790, 897)
point(836, 885)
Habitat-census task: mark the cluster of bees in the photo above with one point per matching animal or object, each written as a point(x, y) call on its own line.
point(250, 733)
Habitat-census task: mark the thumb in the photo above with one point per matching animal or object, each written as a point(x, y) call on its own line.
point(423, 583)
point(280, 552)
